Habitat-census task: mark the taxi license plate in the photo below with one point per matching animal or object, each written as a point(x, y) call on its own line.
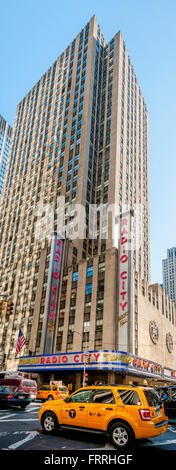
point(21, 397)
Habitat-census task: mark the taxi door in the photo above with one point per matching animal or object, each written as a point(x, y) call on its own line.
point(40, 392)
point(101, 408)
point(43, 392)
point(75, 411)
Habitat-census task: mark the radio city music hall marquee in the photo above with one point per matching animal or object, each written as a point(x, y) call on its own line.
point(99, 360)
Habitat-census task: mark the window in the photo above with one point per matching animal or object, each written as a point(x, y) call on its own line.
point(89, 289)
point(81, 397)
point(86, 326)
point(101, 267)
point(103, 396)
point(129, 397)
point(75, 276)
point(90, 271)
point(45, 387)
point(152, 397)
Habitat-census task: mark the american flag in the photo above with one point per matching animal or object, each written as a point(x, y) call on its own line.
point(20, 342)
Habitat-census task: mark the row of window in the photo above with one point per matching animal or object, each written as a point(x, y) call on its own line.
point(87, 308)
point(100, 395)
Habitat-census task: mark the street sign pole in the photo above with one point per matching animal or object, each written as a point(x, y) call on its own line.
point(86, 354)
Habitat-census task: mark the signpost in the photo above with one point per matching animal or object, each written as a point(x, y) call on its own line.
point(86, 361)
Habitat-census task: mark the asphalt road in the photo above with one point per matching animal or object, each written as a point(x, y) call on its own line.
point(21, 430)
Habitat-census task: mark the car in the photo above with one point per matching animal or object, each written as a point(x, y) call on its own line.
point(52, 392)
point(168, 396)
point(123, 412)
point(10, 398)
point(22, 385)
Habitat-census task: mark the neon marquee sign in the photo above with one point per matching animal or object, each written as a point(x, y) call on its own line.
point(54, 287)
point(125, 283)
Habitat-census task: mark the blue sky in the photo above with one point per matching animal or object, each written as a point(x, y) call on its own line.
point(34, 33)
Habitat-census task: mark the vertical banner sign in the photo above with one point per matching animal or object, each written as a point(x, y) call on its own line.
point(54, 286)
point(125, 284)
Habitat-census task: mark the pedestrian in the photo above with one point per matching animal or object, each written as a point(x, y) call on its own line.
point(164, 395)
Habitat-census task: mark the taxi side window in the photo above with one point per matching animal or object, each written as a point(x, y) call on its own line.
point(54, 388)
point(81, 397)
point(129, 397)
point(103, 396)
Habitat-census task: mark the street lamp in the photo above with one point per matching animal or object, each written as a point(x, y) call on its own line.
point(86, 356)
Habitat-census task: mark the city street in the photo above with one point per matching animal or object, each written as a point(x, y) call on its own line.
point(21, 430)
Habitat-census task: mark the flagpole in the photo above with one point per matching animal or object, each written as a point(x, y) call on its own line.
point(21, 341)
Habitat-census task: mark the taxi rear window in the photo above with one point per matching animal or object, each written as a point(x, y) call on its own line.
point(152, 397)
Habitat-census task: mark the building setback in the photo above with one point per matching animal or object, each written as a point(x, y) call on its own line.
point(169, 273)
point(80, 135)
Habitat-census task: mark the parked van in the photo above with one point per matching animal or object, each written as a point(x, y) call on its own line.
point(28, 386)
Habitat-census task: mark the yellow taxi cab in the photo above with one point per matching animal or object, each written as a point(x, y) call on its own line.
point(123, 412)
point(52, 392)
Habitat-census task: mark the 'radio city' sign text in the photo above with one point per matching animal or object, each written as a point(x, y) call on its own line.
point(65, 358)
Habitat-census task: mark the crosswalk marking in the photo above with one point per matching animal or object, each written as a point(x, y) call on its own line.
point(31, 410)
point(20, 419)
point(29, 437)
point(5, 418)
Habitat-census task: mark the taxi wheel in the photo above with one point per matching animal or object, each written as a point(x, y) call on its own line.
point(49, 422)
point(121, 435)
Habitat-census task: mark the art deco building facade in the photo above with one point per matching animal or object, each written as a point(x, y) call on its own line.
point(5, 139)
point(80, 133)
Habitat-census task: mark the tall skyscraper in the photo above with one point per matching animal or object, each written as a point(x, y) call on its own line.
point(169, 273)
point(5, 139)
point(80, 133)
